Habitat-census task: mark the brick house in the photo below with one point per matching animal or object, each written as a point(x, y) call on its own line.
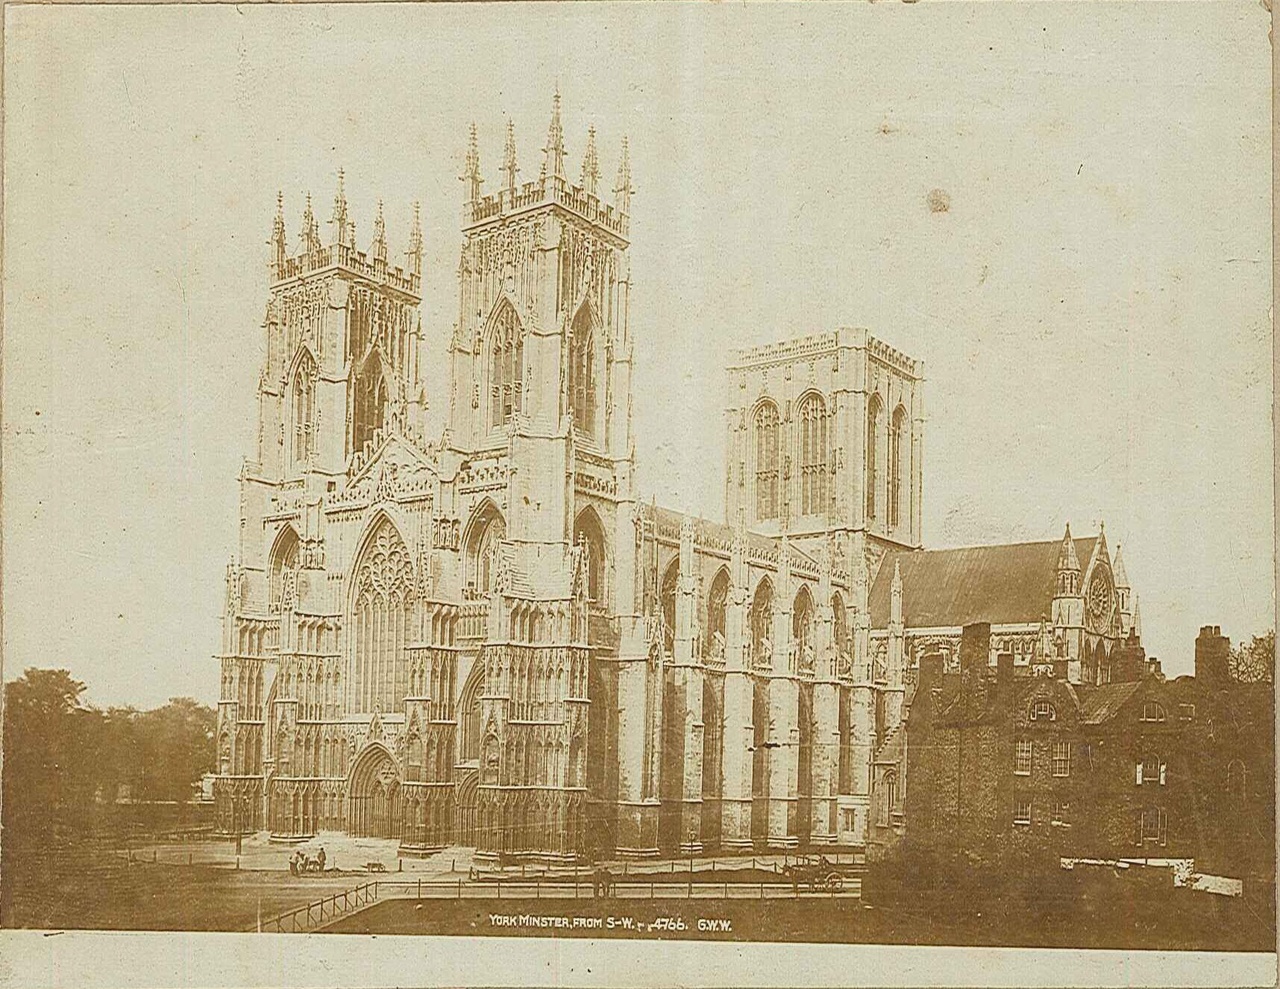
point(994, 763)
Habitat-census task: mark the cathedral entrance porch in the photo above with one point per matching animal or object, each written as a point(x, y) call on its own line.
point(374, 796)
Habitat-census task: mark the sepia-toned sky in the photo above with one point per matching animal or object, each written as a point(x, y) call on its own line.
point(1092, 308)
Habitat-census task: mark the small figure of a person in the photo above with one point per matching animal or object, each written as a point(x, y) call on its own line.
point(320, 858)
point(293, 864)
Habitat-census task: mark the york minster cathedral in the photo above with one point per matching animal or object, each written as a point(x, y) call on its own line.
point(488, 637)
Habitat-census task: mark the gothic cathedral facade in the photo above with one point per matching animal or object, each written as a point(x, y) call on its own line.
point(488, 637)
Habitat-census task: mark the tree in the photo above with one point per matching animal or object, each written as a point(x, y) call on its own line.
point(1254, 661)
point(51, 745)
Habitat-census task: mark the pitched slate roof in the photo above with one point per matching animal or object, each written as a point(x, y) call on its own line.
point(954, 587)
point(1102, 702)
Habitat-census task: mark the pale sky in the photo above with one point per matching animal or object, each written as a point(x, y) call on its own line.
point(1092, 310)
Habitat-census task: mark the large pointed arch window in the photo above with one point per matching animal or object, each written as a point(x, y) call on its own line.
point(370, 402)
point(767, 467)
point(284, 558)
point(304, 409)
point(506, 365)
point(717, 606)
point(582, 372)
point(382, 599)
point(813, 455)
point(897, 436)
point(486, 531)
point(760, 618)
point(873, 438)
point(589, 533)
point(667, 595)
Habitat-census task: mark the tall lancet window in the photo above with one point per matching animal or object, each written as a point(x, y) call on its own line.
point(304, 409)
point(381, 604)
point(767, 473)
point(506, 367)
point(370, 401)
point(897, 433)
point(813, 455)
point(582, 372)
point(873, 440)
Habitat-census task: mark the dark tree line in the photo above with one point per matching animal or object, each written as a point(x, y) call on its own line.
point(65, 761)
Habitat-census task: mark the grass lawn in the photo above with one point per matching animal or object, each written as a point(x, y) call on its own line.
point(77, 888)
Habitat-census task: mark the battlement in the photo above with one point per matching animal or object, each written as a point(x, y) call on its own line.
point(821, 344)
point(350, 259)
point(552, 188)
point(548, 191)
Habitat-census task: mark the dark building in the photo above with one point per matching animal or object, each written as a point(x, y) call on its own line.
point(1141, 767)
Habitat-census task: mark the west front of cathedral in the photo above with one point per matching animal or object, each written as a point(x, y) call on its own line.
point(488, 637)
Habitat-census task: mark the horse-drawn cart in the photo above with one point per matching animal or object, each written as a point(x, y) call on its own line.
point(814, 871)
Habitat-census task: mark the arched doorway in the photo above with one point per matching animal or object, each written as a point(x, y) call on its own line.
point(373, 797)
point(468, 804)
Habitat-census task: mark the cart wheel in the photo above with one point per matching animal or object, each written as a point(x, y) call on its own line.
point(835, 881)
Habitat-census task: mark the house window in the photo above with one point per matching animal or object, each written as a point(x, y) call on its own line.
point(1151, 711)
point(1153, 825)
point(1061, 758)
point(1022, 757)
point(891, 790)
point(1150, 770)
point(1043, 711)
point(1186, 711)
point(1061, 814)
point(1022, 811)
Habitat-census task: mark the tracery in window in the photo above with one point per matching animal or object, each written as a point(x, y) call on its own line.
point(582, 372)
point(370, 409)
point(767, 468)
point(813, 455)
point(506, 365)
point(486, 531)
point(761, 619)
point(897, 434)
point(382, 599)
point(284, 557)
point(873, 441)
point(304, 401)
point(589, 533)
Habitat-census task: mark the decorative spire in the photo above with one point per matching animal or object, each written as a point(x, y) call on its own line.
point(622, 192)
point(415, 241)
point(509, 166)
point(279, 249)
point(1136, 625)
point(310, 229)
point(1067, 559)
point(591, 164)
point(1117, 568)
point(471, 168)
point(553, 153)
point(895, 594)
point(343, 230)
point(379, 246)
point(1068, 566)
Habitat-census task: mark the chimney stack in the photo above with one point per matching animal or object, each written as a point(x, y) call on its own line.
point(975, 648)
point(1212, 651)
